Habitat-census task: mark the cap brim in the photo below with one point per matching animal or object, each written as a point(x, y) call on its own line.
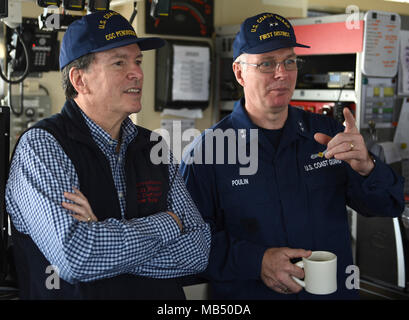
point(143, 43)
point(274, 45)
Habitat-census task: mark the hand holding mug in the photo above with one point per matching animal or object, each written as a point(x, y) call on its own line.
point(277, 269)
point(320, 270)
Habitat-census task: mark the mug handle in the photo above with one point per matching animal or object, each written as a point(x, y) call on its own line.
point(300, 282)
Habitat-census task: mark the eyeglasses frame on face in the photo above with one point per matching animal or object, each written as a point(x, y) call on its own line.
point(298, 62)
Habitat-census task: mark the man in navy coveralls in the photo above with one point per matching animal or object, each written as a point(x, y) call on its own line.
point(292, 199)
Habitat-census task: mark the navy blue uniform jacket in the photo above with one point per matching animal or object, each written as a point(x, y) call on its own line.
point(295, 199)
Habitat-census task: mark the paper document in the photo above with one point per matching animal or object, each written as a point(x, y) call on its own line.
point(191, 73)
point(184, 112)
point(178, 134)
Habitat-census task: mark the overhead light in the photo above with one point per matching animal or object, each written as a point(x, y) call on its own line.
point(160, 8)
point(115, 3)
point(402, 1)
point(47, 3)
point(77, 5)
point(98, 5)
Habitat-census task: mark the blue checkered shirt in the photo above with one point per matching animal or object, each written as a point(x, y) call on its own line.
point(151, 246)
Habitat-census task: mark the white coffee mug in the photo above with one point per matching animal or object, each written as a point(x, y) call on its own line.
point(320, 270)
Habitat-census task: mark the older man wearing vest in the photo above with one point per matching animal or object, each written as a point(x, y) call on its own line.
point(85, 200)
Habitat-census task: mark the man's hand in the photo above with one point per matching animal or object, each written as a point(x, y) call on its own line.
point(348, 146)
point(81, 206)
point(277, 269)
point(83, 211)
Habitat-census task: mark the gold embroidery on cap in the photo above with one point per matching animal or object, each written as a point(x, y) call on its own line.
point(110, 14)
point(123, 33)
point(120, 33)
point(264, 17)
point(102, 23)
point(261, 19)
point(281, 33)
point(254, 29)
point(283, 21)
point(275, 34)
point(266, 36)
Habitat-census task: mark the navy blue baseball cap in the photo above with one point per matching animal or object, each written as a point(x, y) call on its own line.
point(100, 31)
point(263, 33)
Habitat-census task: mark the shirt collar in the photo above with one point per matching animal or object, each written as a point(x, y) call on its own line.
point(294, 126)
point(103, 139)
point(240, 118)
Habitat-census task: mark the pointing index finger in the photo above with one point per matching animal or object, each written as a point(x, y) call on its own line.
point(350, 125)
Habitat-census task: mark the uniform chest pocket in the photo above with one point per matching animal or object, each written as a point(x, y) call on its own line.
point(244, 191)
point(325, 174)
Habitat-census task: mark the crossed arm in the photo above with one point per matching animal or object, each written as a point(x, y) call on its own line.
point(151, 246)
point(82, 210)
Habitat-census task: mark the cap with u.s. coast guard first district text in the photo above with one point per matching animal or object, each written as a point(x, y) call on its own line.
point(263, 33)
point(100, 31)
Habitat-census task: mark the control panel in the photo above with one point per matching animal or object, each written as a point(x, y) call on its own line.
point(36, 107)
